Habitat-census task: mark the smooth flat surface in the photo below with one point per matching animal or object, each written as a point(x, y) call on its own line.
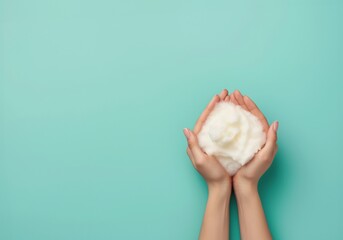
point(94, 96)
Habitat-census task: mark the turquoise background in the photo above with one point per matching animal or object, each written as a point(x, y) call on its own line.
point(95, 94)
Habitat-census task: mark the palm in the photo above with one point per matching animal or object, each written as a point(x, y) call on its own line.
point(217, 171)
point(249, 170)
point(209, 166)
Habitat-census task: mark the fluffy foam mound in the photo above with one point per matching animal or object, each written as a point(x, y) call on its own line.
point(231, 134)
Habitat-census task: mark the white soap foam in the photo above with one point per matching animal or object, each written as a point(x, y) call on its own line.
point(231, 134)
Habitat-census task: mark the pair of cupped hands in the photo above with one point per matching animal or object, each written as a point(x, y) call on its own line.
point(210, 168)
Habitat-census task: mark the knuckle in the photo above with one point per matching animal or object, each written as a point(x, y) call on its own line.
point(188, 151)
point(273, 140)
point(200, 161)
point(265, 158)
point(190, 145)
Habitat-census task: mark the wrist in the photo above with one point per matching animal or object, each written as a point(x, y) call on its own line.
point(220, 189)
point(245, 187)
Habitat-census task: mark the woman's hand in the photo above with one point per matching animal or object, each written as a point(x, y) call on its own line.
point(215, 223)
point(249, 175)
point(253, 222)
point(208, 166)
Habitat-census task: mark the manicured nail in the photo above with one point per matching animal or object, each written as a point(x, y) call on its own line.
point(276, 125)
point(186, 132)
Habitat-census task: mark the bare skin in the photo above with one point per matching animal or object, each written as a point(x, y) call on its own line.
point(253, 224)
point(215, 223)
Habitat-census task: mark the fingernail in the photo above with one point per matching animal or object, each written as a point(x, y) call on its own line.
point(276, 125)
point(186, 132)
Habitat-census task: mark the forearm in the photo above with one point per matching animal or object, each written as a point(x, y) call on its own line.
point(215, 224)
point(252, 220)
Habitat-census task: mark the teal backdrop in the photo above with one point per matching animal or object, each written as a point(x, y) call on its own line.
point(95, 94)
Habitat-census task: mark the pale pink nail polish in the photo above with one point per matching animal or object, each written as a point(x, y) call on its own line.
point(276, 125)
point(186, 132)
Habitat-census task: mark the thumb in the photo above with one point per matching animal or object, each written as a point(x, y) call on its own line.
point(193, 144)
point(271, 138)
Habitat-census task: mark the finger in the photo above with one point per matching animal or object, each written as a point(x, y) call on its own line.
point(239, 98)
point(223, 94)
point(266, 155)
point(205, 114)
point(276, 149)
point(227, 98)
point(190, 155)
point(251, 106)
point(193, 145)
point(270, 147)
point(233, 99)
